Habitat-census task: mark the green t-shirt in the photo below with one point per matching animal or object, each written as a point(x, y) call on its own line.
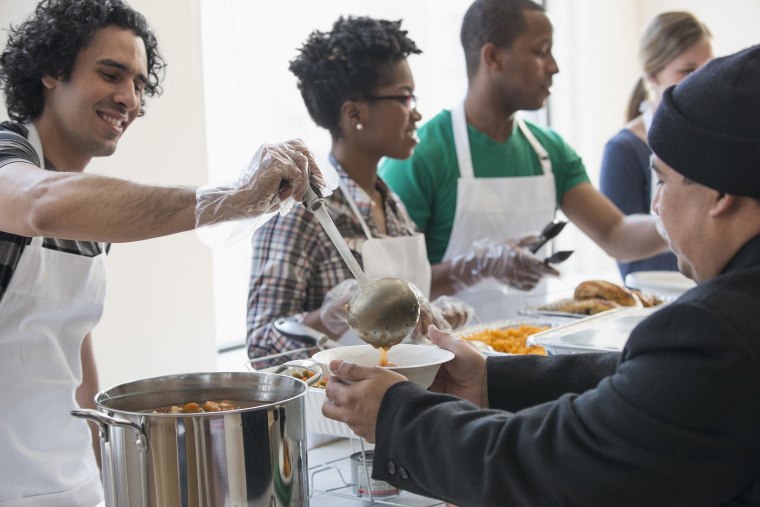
point(427, 181)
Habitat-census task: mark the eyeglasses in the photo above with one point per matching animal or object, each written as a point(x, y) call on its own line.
point(408, 101)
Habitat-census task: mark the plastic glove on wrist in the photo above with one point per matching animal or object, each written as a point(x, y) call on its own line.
point(526, 241)
point(333, 313)
point(445, 312)
point(276, 176)
point(512, 265)
point(455, 312)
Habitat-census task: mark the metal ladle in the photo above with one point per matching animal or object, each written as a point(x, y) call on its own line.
point(386, 309)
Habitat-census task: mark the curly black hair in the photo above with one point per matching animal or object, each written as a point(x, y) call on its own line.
point(48, 42)
point(347, 63)
point(499, 22)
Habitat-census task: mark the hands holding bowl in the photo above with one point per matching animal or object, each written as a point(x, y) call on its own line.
point(356, 389)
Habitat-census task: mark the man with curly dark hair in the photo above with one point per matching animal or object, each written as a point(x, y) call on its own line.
point(75, 76)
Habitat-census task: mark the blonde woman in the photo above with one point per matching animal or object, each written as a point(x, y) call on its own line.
point(673, 45)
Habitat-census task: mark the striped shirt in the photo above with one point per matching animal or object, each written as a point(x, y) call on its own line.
point(14, 147)
point(295, 263)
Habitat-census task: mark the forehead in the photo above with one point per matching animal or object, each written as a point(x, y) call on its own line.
point(697, 54)
point(116, 44)
point(398, 76)
point(537, 28)
point(661, 167)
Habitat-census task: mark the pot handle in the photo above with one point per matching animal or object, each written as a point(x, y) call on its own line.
point(104, 421)
point(306, 364)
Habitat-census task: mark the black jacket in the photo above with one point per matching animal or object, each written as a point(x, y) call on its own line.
point(675, 422)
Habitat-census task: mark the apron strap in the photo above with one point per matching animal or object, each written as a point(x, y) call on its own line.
point(543, 156)
point(352, 204)
point(34, 140)
point(462, 141)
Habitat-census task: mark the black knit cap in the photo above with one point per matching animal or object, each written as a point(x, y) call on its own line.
point(708, 126)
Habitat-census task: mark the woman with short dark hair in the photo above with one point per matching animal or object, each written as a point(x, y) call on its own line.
point(356, 83)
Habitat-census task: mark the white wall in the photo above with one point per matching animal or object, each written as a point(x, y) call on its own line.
point(159, 311)
point(168, 301)
point(248, 46)
point(596, 45)
point(251, 96)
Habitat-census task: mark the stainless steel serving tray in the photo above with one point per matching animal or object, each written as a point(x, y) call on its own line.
point(603, 332)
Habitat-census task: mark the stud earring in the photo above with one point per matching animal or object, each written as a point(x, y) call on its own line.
point(359, 126)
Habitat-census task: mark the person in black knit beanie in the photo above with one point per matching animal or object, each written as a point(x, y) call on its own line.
point(708, 127)
point(674, 419)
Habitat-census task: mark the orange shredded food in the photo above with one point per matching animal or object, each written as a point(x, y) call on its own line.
point(510, 340)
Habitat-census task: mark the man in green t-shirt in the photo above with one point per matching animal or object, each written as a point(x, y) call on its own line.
point(480, 174)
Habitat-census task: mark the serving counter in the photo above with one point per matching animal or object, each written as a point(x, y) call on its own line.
point(332, 472)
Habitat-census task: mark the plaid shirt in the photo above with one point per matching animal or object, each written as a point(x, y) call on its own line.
point(295, 263)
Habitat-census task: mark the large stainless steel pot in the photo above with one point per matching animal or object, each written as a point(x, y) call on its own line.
point(246, 457)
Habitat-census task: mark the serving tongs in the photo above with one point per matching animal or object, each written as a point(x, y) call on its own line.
point(550, 231)
point(558, 257)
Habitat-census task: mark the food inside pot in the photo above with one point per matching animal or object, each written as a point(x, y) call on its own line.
point(305, 375)
point(207, 406)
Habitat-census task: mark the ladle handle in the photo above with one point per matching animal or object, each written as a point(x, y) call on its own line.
point(314, 203)
point(313, 199)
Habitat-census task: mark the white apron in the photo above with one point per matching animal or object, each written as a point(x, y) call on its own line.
point(494, 209)
point(53, 300)
point(403, 257)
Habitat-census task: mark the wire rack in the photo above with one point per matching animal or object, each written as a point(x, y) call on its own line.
point(332, 480)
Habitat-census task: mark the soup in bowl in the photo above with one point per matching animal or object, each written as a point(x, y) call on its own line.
point(418, 363)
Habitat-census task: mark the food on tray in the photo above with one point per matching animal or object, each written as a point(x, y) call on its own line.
point(601, 289)
point(510, 340)
point(647, 300)
point(596, 296)
point(586, 306)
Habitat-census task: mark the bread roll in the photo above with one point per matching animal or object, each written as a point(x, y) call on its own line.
point(647, 300)
point(587, 306)
point(601, 289)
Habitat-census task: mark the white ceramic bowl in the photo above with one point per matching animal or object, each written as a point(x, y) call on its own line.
point(418, 363)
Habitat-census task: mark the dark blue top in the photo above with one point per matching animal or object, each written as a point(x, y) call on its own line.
point(626, 180)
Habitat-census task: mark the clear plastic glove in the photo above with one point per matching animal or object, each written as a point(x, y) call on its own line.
point(334, 313)
point(276, 176)
point(456, 313)
point(445, 312)
point(509, 262)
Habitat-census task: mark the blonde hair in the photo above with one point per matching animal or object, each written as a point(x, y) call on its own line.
point(665, 37)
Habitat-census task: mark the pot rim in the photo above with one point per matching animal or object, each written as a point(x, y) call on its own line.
point(102, 396)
